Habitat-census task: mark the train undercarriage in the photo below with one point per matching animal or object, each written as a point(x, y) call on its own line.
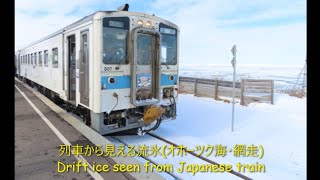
point(120, 122)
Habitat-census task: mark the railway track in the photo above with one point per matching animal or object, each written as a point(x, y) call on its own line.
point(146, 158)
point(200, 157)
point(189, 152)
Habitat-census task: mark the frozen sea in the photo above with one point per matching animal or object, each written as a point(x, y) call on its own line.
point(284, 76)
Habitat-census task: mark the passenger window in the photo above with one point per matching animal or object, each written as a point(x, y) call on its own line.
point(35, 59)
point(55, 57)
point(28, 58)
point(40, 59)
point(46, 58)
point(85, 48)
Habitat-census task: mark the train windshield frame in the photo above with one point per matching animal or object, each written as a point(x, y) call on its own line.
point(115, 37)
point(169, 44)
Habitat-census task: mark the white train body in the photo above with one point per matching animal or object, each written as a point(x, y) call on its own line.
point(106, 64)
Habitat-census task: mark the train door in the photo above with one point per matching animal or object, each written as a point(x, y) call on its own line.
point(17, 68)
point(19, 65)
point(146, 69)
point(84, 68)
point(72, 68)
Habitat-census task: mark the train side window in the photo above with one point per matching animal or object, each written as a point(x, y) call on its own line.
point(35, 59)
point(40, 59)
point(55, 57)
point(46, 56)
point(28, 58)
point(31, 56)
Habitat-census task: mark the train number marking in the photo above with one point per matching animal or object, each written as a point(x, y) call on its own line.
point(107, 68)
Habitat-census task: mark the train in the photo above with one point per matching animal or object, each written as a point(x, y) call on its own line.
point(117, 70)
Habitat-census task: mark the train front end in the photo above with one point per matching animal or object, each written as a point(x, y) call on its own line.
point(139, 72)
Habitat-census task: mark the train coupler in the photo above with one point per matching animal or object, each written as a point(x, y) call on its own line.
point(152, 113)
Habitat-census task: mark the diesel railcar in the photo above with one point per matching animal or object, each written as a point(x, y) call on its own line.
point(118, 70)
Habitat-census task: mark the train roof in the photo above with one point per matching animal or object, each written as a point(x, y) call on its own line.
point(90, 17)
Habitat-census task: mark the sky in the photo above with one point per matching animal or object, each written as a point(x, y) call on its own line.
point(266, 32)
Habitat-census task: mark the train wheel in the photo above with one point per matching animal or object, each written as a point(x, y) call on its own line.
point(86, 117)
point(53, 96)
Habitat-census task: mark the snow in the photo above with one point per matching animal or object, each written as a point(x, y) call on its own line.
point(279, 128)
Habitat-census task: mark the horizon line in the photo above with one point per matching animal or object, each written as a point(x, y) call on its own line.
point(187, 64)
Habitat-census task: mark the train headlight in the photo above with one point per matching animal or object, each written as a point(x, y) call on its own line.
point(140, 22)
point(148, 24)
point(112, 80)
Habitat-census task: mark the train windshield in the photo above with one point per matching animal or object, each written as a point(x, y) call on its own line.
point(168, 45)
point(115, 40)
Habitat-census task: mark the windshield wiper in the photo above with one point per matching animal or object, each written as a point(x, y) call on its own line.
point(172, 59)
point(125, 57)
point(165, 62)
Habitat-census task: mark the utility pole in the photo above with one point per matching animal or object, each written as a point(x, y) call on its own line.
point(304, 72)
point(233, 62)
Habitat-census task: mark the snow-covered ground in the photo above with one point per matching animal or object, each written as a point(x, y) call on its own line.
point(279, 128)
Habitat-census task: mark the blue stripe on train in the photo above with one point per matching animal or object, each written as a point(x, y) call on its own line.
point(123, 82)
point(165, 80)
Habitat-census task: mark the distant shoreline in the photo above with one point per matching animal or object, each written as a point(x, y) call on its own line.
point(242, 65)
